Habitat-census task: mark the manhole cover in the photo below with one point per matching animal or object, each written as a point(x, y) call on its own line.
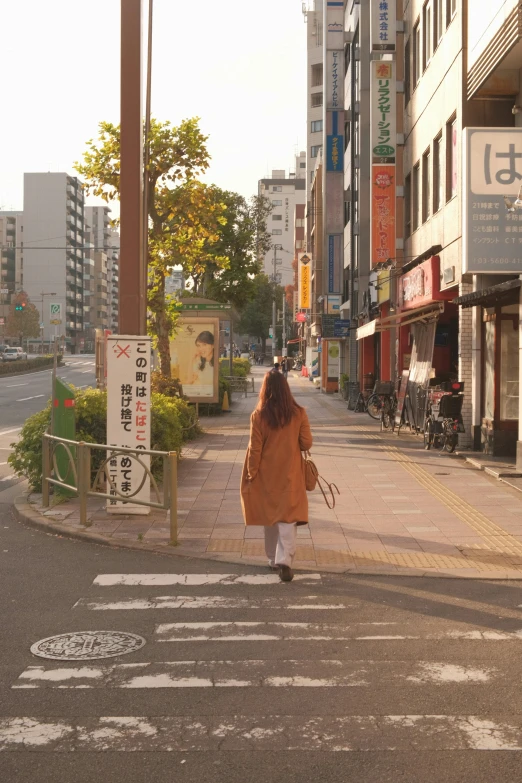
point(87, 645)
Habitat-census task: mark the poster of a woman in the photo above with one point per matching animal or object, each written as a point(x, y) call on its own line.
point(194, 358)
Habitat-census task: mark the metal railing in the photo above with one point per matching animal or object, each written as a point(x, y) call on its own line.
point(239, 383)
point(78, 476)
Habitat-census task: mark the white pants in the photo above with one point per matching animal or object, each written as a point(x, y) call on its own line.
point(280, 543)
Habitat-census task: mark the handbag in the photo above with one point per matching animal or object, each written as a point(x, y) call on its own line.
point(313, 479)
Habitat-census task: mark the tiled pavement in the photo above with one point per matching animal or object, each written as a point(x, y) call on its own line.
point(401, 510)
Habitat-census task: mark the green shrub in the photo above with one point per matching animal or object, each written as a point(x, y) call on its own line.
point(26, 365)
point(163, 384)
point(170, 428)
point(240, 367)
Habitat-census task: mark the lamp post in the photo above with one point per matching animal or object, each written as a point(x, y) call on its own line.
point(43, 294)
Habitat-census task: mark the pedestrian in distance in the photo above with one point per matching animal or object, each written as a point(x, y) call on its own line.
point(276, 367)
point(273, 490)
point(284, 367)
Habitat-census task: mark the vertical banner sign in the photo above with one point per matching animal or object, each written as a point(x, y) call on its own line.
point(334, 80)
point(128, 418)
point(296, 304)
point(335, 153)
point(383, 213)
point(335, 247)
point(383, 25)
point(492, 221)
point(383, 111)
point(305, 274)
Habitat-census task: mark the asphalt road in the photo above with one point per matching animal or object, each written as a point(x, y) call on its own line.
point(23, 395)
point(242, 678)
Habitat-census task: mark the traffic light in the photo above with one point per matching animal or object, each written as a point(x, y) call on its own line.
point(20, 306)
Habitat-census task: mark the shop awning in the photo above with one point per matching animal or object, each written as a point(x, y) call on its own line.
point(488, 296)
point(405, 317)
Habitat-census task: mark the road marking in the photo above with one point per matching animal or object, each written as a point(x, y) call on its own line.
point(14, 385)
point(3, 463)
point(86, 371)
point(252, 674)
point(25, 399)
point(7, 432)
point(266, 733)
point(161, 580)
point(206, 602)
point(252, 631)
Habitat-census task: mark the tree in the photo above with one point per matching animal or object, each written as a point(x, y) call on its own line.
point(243, 239)
point(257, 314)
point(22, 323)
point(184, 214)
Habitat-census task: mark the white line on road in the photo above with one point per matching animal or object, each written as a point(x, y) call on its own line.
point(16, 384)
point(25, 399)
point(86, 371)
point(3, 463)
point(161, 580)
point(232, 733)
point(8, 432)
point(252, 674)
point(206, 602)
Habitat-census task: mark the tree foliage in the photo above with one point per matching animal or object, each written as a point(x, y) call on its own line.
point(184, 214)
point(257, 314)
point(24, 322)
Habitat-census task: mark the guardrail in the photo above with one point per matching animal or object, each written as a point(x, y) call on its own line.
point(78, 478)
point(239, 383)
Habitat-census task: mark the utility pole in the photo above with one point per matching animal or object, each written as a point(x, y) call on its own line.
point(132, 310)
point(284, 349)
point(274, 314)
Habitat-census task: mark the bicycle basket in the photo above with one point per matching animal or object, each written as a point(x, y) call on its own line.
point(384, 387)
point(451, 406)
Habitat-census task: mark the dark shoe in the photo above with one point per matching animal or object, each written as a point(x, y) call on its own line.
point(285, 573)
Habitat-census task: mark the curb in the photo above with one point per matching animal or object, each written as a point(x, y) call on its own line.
point(27, 515)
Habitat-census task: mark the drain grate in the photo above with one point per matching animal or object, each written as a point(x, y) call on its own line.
point(87, 645)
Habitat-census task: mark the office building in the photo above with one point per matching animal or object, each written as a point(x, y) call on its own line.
point(11, 275)
point(107, 240)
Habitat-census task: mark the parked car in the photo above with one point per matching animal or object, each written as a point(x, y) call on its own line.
point(3, 348)
point(13, 354)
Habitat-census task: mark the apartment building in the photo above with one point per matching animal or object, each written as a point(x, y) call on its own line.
point(107, 240)
point(284, 193)
point(315, 92)
point(53, 252)
point(11, 275)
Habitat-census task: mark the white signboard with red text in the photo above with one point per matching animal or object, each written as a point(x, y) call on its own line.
point(128, 418)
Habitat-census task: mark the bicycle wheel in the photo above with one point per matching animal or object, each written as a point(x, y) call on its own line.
point(428, 434)
point(450, 439)
point(374, 406)
point(386, 415)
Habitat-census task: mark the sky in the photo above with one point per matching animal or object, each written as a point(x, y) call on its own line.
point(238, 65)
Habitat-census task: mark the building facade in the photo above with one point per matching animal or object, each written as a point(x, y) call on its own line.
point(11, 271)
point(106, 239)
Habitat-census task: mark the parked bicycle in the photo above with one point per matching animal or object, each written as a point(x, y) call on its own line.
point(443, 419)
point(380, 404)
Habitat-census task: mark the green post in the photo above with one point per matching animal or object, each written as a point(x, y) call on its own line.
point(64, 426)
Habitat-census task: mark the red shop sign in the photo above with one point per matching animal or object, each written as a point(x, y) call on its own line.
point(421, 286)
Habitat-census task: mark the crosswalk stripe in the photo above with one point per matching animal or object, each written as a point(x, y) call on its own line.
point(253, 674)
point(209, 602)
point(261, 631)
point(225, 733)
point(151, 580)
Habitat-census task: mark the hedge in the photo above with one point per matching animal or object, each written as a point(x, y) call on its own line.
point(172, 424)
point(240, 367)
point(26, 365)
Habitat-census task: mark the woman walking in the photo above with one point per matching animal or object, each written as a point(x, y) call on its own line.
point(273, 491)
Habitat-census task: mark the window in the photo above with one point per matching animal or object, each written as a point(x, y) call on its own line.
point(346, 212)
point(317, 75)
point(451, 10)
point(299, 223)
point(451, 158)
point(277, 231)
point(298, 244)
point(407, 206)
point(317, 126)
point(416, 53)
point(437, 173)
point(407, 73)
point(426, 35)
point(302, 165)
point(426, 185)
point(315, 150)
point(277, 202)
point(415, 197)
point(438, 22)
point(277, 189)
point(277, 217)
point(317, 100)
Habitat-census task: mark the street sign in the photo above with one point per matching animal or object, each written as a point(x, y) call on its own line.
point(55, 313)
point(4, 290)
point(41, 324)
point(214, 306)
point(341, 328)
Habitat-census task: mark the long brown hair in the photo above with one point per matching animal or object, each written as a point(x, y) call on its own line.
point(276, 403)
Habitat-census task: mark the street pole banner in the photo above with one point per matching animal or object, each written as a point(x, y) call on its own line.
point(128, 418)
point(305, 277)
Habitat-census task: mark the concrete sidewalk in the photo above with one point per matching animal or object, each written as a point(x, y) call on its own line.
point(402, 510)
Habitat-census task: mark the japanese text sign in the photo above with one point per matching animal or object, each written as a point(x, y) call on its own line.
point(305, 279)
point(383, 25)
point(128, 418)
point(492, 177)
point(334, 80)
point(334, 153)
point(383, 213)
point(383, 111)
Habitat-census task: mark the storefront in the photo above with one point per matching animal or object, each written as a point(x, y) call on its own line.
point(496, 369)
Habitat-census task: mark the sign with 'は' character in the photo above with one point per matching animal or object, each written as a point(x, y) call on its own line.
point(128, 420)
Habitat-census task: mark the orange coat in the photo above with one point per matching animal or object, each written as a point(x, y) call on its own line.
point(273, 481)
